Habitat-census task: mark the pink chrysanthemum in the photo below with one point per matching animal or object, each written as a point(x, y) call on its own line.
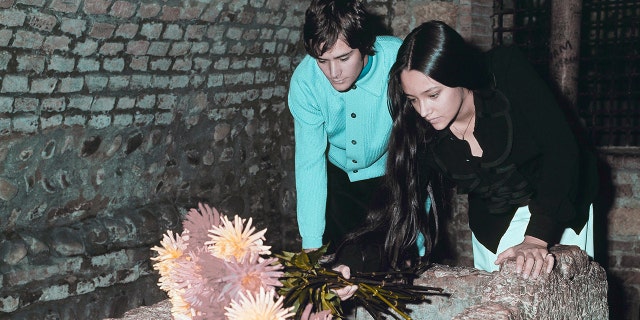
point(197, 224)
point(252, 275)
point(261, 306)
point(199, 279)
point(236, 240)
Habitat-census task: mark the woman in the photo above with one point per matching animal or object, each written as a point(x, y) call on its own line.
point(487, 123)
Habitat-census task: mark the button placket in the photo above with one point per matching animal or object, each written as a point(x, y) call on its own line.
point(355, 115)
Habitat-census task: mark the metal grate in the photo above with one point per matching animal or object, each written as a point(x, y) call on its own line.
point(609, 81)
point(526, 24)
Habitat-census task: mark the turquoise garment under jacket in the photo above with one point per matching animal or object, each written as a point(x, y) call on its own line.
point(349, 128)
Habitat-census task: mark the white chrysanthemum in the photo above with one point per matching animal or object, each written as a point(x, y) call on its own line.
point(259, 307)
point(180, 309)
point(236, 240)
point(173, 248)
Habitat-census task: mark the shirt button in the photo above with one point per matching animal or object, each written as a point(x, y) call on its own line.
point(355, 171)
point(353, 142)
point(353, 115)
point(354, 161)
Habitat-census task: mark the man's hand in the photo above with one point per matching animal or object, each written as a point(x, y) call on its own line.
point(348, 291)
point(322, 315)
point(532, 256)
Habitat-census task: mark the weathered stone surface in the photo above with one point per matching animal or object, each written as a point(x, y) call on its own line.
point(158, 311)
point(34, 244)
point(412, 13)
point(95, 302)
point(576, 289)
point(491, 310)
point(8, 190)
point(11, 252)
point(67, 242)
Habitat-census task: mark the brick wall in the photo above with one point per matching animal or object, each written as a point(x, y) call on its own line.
point(116, 116)
point(618, 229)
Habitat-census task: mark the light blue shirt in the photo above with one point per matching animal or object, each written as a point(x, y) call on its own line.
point(350, 128)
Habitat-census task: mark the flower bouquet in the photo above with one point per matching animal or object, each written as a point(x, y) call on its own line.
point(219, 268)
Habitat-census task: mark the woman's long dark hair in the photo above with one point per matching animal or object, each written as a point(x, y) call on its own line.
point(439, 52)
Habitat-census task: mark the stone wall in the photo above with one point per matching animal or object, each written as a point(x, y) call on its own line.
point(618, 229)
point(116, 116)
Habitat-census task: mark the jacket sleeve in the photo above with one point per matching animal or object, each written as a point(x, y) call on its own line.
point(551, 205)
point(310, 163)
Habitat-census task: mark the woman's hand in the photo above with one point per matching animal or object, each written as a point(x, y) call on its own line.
point(348, 291)
point(531, 257)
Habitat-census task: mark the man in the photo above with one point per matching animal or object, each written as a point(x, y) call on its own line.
point(338, 99)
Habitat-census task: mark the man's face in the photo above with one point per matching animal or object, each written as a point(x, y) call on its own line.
point(342, 65)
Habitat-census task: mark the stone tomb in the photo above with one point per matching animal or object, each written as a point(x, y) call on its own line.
point(576, 289)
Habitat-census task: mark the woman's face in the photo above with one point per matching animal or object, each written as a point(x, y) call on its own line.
point(342, 65)
point(435, 102)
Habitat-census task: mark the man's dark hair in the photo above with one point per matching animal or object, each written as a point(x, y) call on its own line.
point(326, 21)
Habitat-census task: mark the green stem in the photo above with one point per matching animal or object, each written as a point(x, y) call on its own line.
point(387, 302)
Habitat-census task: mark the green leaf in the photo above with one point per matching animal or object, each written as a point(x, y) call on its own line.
point(302, 261)
point(314, 256)
point(305, 282)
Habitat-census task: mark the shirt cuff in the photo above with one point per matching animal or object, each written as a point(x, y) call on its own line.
point(311, 242)
point(543, 228)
